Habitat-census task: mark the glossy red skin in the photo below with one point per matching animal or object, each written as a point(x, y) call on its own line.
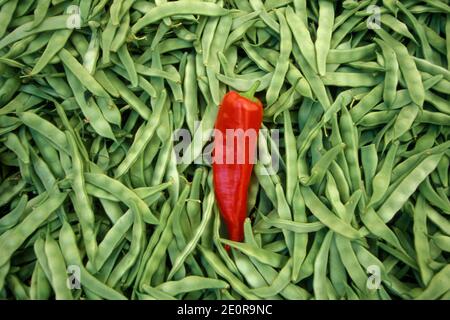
point(231, 181)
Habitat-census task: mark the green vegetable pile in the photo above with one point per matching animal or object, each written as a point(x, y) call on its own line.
point(94, 203)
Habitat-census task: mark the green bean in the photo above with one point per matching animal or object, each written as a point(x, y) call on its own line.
point(421, 244)
point(40, 287)
point(139, 145)
point(169, 9)
point(403, 122)
point(339, 56)
point(184, 34)
point(55, 44)
point(60, 87)
point(176, 88)
point(129, 96)
point(319, 170)
point(254, 55)
point(109, 111)
point(341, 32)
point(435, 40)
point(36, 44)
point(316, 83)
point(220, 268)
point(8, 89)
point(408, 68)
point(291, 157)
point(248, 270)
point(441, 169)
point(391, 75)
point(89, 108)
point(47, 129)
point(302, 37)
point(162, 163)
point(81, 203)
point(159, 252)
point(438, 285)
point(439, 103)
point(350, 262)
point(265, 256)
point(307, 268)
point(10, 219)
point(21, 102)
point(111, 240)
point(121, 34)
point(240, 31)
point(17, 49)
point(428, 67)
point(324, 32)
point(332, 192)
point(293, 74)
point(427, 191)
point(338, 275)
point(284, 212)
point(178, 230)
point(12, 239)
point(128, 64)
point(18, 289)
point(153, 72)
point(145, 277)
point(320, 268)
point(13, 143)
point(42, 171)
point(68, 244)
point(243, 84)
point(396, 26)
point(283, 63)
point(381, 180)
point(106, 83)
point(407, 186)
point(326, 216)
point(367, 259)
point(441, 241)
point(84, 9)
point(135, 248)
point(349, 137)
point(257, 5)
point(369, 160)
point(207, 123)
point(350, 79)
point(407, 165)
point(121, 192)
point(57, 269)
point(194, 240)
point(157, 293)
point(192, 283)
point(4, 270)
point(82, 74)
point(115, 10)
point(51, 23)
point(424, 44)
point(278, 284)
point(433, 118)
point(107, 40)
point(6, 15)
point(190, 93)
point(214, 237)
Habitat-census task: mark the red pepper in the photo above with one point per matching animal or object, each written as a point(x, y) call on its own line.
point(232, 178)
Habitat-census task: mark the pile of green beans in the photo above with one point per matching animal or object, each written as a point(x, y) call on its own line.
point(92, 193)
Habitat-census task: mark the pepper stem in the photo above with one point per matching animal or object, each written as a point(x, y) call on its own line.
point(250, 94)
